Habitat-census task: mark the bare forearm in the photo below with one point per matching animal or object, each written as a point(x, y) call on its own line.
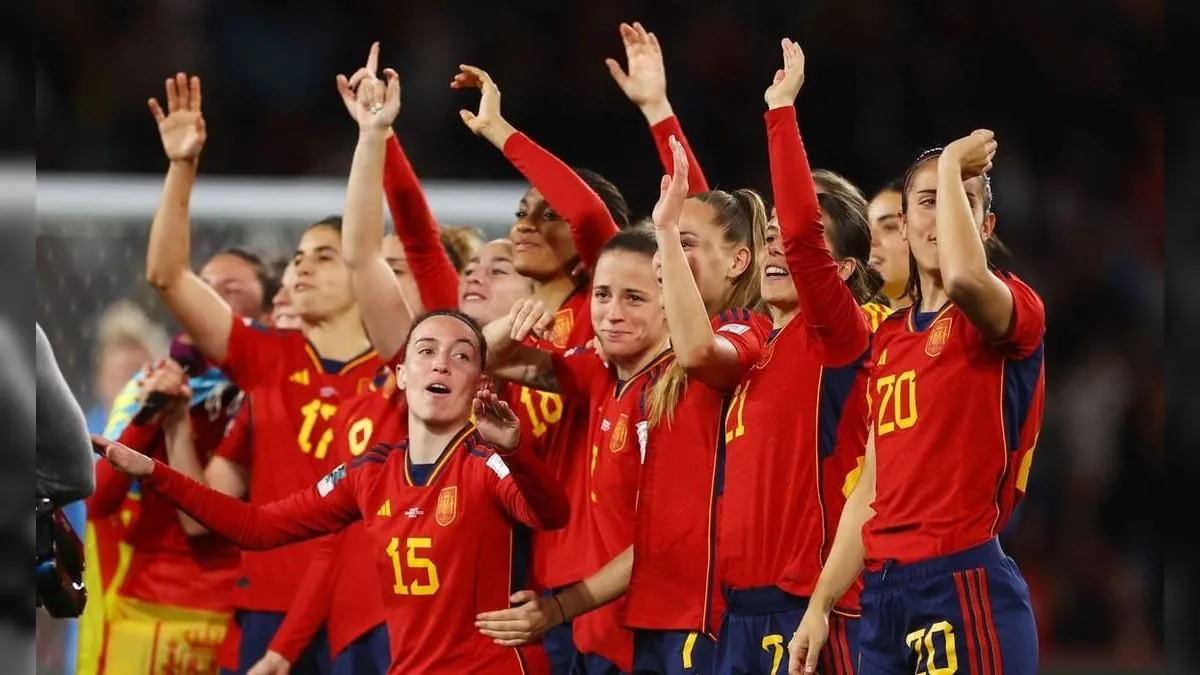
point(181, 456)
point(362, 236)
point(687, 319)
point(606, 585)
point(845, 560)
point(656, 111)
point(961, 256)
point(168, 255)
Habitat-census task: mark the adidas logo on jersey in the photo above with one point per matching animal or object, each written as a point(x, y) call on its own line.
point(299, 377)
point(385, 509)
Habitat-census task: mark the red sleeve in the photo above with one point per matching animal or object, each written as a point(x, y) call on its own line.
point(1028, 322)
point(575, 370)
point(307, 514)
point(746, 331)
point(591, 223)
point(826, 303)
point(235, 446)
point(437, 280)
point(529, 491)
point(662, 133)
point(112, 486)
point(310, 606)
point(254, 354)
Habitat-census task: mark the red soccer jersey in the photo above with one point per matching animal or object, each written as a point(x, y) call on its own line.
point(293, 394)
point(618, 445)
point(956, 418)
point(445, 549)
point(340, 589)
point(563, 446)
point(674, 581)
point(166, 566)
point(782, 424)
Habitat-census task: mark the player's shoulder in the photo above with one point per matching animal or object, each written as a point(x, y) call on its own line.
point(875, 314)
point(376, 456)
point(739, 320)
point(1014, 282)
point(482, 454)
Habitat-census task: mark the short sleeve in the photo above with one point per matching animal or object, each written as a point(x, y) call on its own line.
point(235, 445)
point(746, 331)
point(254, 354)
point(1028, 321)
point(576, 370)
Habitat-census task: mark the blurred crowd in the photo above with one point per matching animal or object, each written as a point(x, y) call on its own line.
point(1071, 89)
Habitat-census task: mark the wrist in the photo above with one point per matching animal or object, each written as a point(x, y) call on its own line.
point(780, 103)
point(657, 111)
point(374, 135)
point(498, 132)
point(184, 162)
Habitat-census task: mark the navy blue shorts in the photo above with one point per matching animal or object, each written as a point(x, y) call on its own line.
point(759, 623)
point(594, 664)
point(559, 643)
point(672, 652)
point(967, 613)
point(258, 628)
point(367, 655)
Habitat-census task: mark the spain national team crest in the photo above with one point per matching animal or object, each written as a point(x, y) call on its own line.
point(447, 506)
point(564, 322)
point(939, 335)
point(616, 442)
point(767, 352)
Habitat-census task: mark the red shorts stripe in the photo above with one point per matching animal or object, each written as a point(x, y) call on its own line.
point(969, 628)
point(987, 662)
point(847, 656)
point(986, 608)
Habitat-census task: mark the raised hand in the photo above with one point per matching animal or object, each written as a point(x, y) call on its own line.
point(126, 460)
point(789, 79)
point(168, 377)
point(673, 190)
point(531, 615)
point(182, 128)
point(377, 103)
point(487, 122)
point(496, 422)
point(645, 83)
point(529, 316)
point(347, 87)
point(973, 154)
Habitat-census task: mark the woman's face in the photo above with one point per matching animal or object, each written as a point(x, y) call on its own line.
point(490, 285)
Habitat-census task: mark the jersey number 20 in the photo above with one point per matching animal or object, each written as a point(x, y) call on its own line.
point(897, 407)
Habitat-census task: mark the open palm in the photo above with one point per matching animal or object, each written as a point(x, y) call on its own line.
point(788, 80)
point(182, 128)
point(646, 81)
point(496, 422)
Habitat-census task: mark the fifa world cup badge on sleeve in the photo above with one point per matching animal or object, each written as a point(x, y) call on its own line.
point(329, 481)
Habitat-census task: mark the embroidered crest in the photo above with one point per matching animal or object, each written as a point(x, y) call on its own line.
point(447, 506)
point(616, 442)
point(939, 334)
point(564, 322)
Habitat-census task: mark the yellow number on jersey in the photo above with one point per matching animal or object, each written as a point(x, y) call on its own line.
point(774, 644)
point(412, 561)
point(359, 435)
point(735, 425)
point(312, 411)
point(921, 641)
point(548, 410)
point(897, 402)
point(592, 471)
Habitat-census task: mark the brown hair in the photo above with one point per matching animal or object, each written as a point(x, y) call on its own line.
point(742, 217)
point(461, 244)
point(850, 238)
point(834, 183)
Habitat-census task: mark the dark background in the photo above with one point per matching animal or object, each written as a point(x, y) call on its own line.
point(1072, 88)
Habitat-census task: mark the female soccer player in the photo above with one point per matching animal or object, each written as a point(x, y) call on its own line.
point(957, 382)
point(440, 508)
point(889, 250)
point(708, 248)
point(562, 222)
point(293, 380)
point(794, 411)
point(631, 332)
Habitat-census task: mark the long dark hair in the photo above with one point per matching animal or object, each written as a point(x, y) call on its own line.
point(850, 237)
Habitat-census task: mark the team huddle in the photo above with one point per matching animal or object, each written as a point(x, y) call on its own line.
point(723, 439)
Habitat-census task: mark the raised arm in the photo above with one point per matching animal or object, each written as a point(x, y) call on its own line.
point(591, 223)
point(307, 514)
point(204, 315)
point(826, 303)
point(704, 353)
point(981, 295)
point(645, 85)
point(387, 316)
point(65, 466)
